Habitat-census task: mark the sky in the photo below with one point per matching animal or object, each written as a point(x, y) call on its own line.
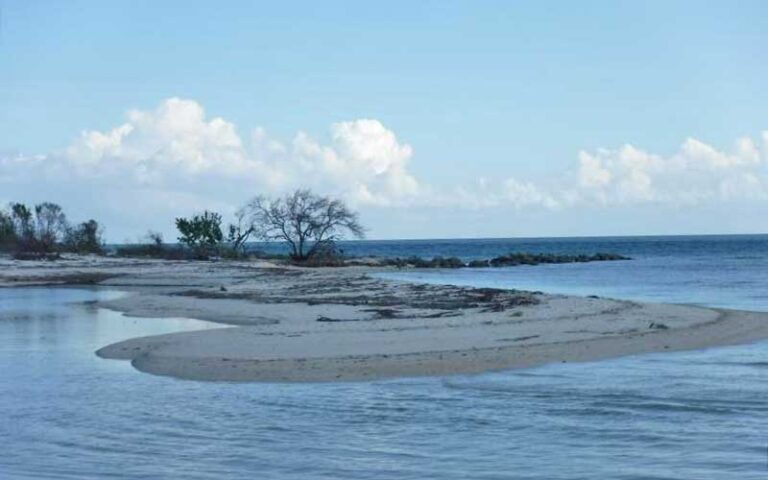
point(433, 119)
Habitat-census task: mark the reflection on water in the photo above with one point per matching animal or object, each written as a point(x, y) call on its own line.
point(68, 414)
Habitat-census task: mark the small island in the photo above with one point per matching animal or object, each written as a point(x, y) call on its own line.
point(314, 314)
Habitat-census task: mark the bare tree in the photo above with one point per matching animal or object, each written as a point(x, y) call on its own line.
point(305, 221)
point(240, 230)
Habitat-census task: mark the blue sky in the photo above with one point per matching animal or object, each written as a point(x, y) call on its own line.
point(478, 92)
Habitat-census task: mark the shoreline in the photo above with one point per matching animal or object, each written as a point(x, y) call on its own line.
point(290, 324)
point(151, 355)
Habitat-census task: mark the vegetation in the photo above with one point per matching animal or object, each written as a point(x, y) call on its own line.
point(43, 232)
point(85, 238)
point(308, 223)
point(7, 231)
point(239, 232)
point(152, 246)
point(201, 233)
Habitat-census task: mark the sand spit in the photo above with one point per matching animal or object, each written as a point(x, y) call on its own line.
point(295, 324)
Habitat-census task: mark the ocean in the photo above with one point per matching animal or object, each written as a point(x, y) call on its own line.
point(728, 271)
point(685, 415)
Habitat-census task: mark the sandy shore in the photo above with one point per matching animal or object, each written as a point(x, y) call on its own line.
point(293, 324)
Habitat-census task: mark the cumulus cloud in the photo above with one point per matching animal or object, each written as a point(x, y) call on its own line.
point(175, 159)
point(176, 147)
point(173, 142)
point(365, 158)
point(696, 174)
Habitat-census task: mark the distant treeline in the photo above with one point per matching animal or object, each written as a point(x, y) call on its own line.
point(43, 231)
point(309, 226)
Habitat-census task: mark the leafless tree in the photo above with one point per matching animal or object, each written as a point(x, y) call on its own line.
point(305, 221)
point(240, 231)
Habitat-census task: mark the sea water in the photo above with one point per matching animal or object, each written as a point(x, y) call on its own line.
point(65, 413)
point(717, 271)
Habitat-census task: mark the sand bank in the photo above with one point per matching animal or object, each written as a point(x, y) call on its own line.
point(297, 324)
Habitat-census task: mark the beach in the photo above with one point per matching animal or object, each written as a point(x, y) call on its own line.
point(290, 324)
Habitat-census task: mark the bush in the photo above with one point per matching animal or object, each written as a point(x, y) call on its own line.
point(326, 255)
point(201, 233)
point(152, 246)
point(43, 232)
point(36, 256)
point(85, 238)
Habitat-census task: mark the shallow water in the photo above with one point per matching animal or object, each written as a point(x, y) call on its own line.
point(68, 414)
point(718, 271)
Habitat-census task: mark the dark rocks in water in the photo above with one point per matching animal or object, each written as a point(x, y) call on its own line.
point(479, 264)
point(510, 260)
point(450, 262)
point(418, 262)
point(514, 259)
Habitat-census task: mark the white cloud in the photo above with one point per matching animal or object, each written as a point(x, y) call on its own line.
point(174, 139)
point(365, 159)
point(176, 147)
point(524, 194)
point(696, 174)
point(175, 160)
point(591, 171)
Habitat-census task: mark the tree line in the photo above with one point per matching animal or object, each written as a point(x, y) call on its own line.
point(44, 231)
point(307, 223)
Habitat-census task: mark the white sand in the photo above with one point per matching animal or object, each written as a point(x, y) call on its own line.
point(371, 328)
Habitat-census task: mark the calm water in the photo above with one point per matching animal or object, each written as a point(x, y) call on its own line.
point(718, 271)
point(696, 415)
